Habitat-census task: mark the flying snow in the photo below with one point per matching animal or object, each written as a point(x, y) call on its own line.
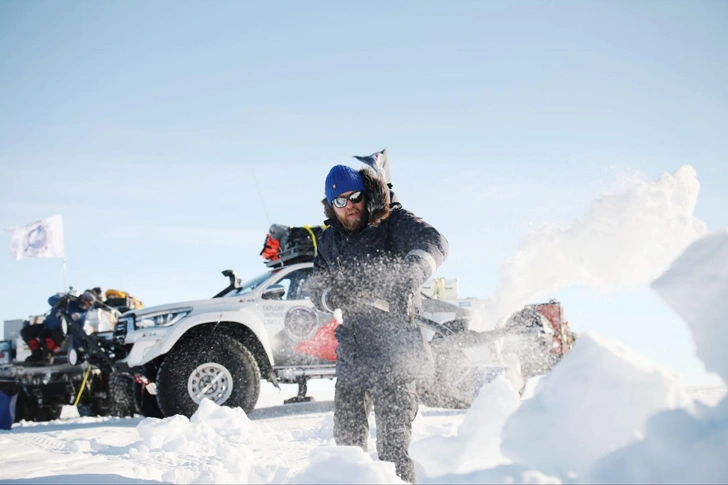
point(625, 240)
point(604, 414)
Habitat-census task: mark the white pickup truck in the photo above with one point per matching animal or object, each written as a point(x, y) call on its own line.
point(221, 348)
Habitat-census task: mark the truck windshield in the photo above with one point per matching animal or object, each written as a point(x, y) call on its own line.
point(248, 286)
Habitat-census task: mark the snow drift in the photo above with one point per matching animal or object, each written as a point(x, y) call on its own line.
point(606, 414)
point(595, 400)
point(696, 287)
point(222, 445)
point(679, 447)
point(683, 447)
point(213, 446)
point(478, 440)
point(345, 464)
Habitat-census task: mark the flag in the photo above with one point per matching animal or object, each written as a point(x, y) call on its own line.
point(41, 239)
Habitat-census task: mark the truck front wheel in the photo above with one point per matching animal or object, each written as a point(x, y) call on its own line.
point(222, 370)
point(121, 395)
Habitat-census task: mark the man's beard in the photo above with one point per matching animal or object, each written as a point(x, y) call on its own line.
point(353, 224)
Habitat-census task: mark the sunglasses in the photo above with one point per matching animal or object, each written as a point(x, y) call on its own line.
point(355, 198)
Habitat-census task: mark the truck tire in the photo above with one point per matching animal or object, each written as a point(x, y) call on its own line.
point(121, 401)
point(27, 408)
point(50, 413)
point(221, 369)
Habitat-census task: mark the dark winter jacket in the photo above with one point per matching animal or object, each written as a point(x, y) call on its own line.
point(53, 322)
point(387, 260)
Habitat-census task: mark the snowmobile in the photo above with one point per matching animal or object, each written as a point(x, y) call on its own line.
point(83, 371)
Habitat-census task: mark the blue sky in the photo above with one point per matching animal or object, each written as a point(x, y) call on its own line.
point(148, 124)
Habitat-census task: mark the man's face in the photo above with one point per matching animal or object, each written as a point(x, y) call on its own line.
point(352, 216)
point(84, 304)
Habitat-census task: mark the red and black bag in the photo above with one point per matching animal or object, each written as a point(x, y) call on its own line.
point(287, 245)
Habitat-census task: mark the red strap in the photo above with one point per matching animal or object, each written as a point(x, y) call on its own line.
point(34, 344)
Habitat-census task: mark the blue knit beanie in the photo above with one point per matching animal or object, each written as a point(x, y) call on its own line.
point(342, 179)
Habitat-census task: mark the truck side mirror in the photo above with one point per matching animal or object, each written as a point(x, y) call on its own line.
point(273, 292)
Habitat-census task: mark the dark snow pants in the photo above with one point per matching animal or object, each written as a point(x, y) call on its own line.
point(43, 336)
point(395, 407)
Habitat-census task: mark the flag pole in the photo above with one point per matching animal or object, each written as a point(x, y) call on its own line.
point(63, 245)
point(65, 276)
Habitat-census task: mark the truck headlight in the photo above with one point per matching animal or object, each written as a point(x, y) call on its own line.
point(161, 319)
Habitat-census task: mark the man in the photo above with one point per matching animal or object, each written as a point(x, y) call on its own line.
point(45, 338)
point(370, 264)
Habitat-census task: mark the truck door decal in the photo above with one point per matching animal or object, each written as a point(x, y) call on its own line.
point(300, 323)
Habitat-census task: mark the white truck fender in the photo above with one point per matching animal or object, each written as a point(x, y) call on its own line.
point(240, 317)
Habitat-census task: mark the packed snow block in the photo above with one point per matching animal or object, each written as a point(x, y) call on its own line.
point(478, 441)
point(7, 410)
point(696, 287)
point(679, 447)
point(682, 447)
point(213, 446)
point(329, 464)
point(597, 399)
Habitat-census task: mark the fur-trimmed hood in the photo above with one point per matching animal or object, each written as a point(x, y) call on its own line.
point(377, 194)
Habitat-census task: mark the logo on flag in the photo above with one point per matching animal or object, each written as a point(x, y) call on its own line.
point(41, 239)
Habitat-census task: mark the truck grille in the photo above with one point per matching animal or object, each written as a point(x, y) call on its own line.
point(120, 330)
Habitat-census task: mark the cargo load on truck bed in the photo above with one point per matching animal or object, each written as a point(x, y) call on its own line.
point(290, 244)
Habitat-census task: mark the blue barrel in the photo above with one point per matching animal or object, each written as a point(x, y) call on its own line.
point(7, 410)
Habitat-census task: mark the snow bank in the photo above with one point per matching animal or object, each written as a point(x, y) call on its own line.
point(210, 447)
point(696, 287)
point(498, 475)
point(680, 447)
point(595, 400)
point(345, 464)
point(476, 445)
point(222, 445)
point(626, 240)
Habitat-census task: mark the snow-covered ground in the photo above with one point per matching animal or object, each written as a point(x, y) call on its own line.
point(605, 414)
point(289, 444)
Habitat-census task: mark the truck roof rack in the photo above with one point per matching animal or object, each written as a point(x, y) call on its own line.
point(285, 245)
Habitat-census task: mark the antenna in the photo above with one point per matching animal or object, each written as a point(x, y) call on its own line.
point(261, 196)
point(262, 202)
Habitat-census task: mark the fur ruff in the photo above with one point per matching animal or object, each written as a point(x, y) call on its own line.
point(377, 194)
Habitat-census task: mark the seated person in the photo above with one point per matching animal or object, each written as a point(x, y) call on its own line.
point(45, 338)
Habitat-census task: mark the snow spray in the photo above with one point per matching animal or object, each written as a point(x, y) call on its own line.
point(626, 240)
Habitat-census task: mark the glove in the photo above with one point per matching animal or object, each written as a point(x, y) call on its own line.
point(404, 288)
point(404, 302)
point(337, 297)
